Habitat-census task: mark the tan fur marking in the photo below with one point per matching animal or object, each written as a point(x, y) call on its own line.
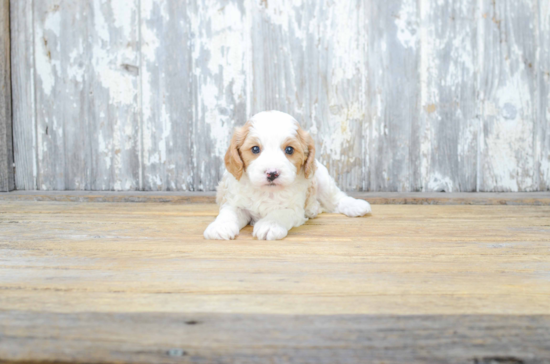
point(309, 148)
point(233, 160)
point(246, 150)
point(298, 158)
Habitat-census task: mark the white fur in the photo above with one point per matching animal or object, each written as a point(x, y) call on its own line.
point(274, 210)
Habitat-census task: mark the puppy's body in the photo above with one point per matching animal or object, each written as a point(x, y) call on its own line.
point(274, 182)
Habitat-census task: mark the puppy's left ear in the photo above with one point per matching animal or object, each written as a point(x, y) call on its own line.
point(307, 140)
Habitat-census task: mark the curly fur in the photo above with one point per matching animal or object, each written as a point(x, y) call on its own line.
point(302, 190)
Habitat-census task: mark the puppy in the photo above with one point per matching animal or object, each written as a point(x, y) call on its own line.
point(273, 181)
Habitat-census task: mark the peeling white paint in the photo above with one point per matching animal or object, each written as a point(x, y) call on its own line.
point(101, 29)
point(47, 67)
point(407, 23)
point(221, 43)
point(440, 183)
point(122, 17)
point(315, 61)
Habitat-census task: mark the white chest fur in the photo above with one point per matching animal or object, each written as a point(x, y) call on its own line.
point(259, 202)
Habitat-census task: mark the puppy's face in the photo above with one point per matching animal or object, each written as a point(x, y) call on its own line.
point(272, 150)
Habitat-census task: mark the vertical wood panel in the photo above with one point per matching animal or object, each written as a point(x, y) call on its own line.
point(86, 95)
point(508, 95)
point(393, 149)
point(55, 96)
point(111, 100)
point(543, 131)
point(449, 123)
point(309, 60)
point(167, 162)
point(6, 147)
point(165, 95)
point(24, 109)
point(220, 74)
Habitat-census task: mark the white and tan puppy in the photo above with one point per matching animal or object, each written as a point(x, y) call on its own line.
point(274, 182)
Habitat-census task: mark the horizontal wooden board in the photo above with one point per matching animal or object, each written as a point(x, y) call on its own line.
point(32, 337)
point(125, 282)
point(376, 198)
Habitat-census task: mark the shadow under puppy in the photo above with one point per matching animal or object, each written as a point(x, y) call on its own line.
point(273, 181)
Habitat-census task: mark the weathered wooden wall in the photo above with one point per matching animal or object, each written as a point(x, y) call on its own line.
point(6, 151)
point(400, 95)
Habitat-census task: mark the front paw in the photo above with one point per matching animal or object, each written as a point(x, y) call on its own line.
point(352, 207)
point(269, 230)
point(221, 231)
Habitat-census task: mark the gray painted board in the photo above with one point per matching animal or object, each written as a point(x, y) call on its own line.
point(402, 95)
point(23, 91)
point(6, 151)
point(508, 95)
point(151, 337)
point(392, 132)
point(448, 116)
point(543, 116)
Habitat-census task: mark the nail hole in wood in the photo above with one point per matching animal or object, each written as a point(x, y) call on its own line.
point(176, 352)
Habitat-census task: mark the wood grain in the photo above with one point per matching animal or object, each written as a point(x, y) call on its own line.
point(400, 96)
point(542, 142)
point(394, 89)
point(309, 59)
point(508, 96)
point(449, 121)
point(23, 92)
point(479, 256)
point(376, 198)
point(6, 146)
point(253, 338)
point(89, 282)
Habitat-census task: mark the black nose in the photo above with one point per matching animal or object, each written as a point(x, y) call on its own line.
point(271, 176)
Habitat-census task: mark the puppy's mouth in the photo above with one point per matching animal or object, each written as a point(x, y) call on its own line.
point(272, 184)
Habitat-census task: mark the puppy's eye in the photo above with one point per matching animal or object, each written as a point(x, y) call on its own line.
point(255, 149)
point(289, 150)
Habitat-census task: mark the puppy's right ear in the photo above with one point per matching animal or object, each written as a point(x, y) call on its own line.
point(233, 161)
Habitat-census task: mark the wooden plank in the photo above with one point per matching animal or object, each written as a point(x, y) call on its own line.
point(449, 122)
point(138, 283)
point(309, 59)
point(113, 145)
point(414, 260)
point(23, 94)
point(87, 141)
point(51, 63)
point(376, 198)
point(254, 338)
point(508, 95)
point(220, 82)
point(393, 149)
point(7, 182)
point(543, 115)
point(166, 97)
point(194, 90)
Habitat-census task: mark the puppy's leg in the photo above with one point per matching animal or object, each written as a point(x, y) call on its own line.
point(334, 200)
point(313, 207)
point(228, 223)
point(275, 225)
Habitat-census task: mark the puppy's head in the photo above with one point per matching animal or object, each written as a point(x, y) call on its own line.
point(272, 149)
